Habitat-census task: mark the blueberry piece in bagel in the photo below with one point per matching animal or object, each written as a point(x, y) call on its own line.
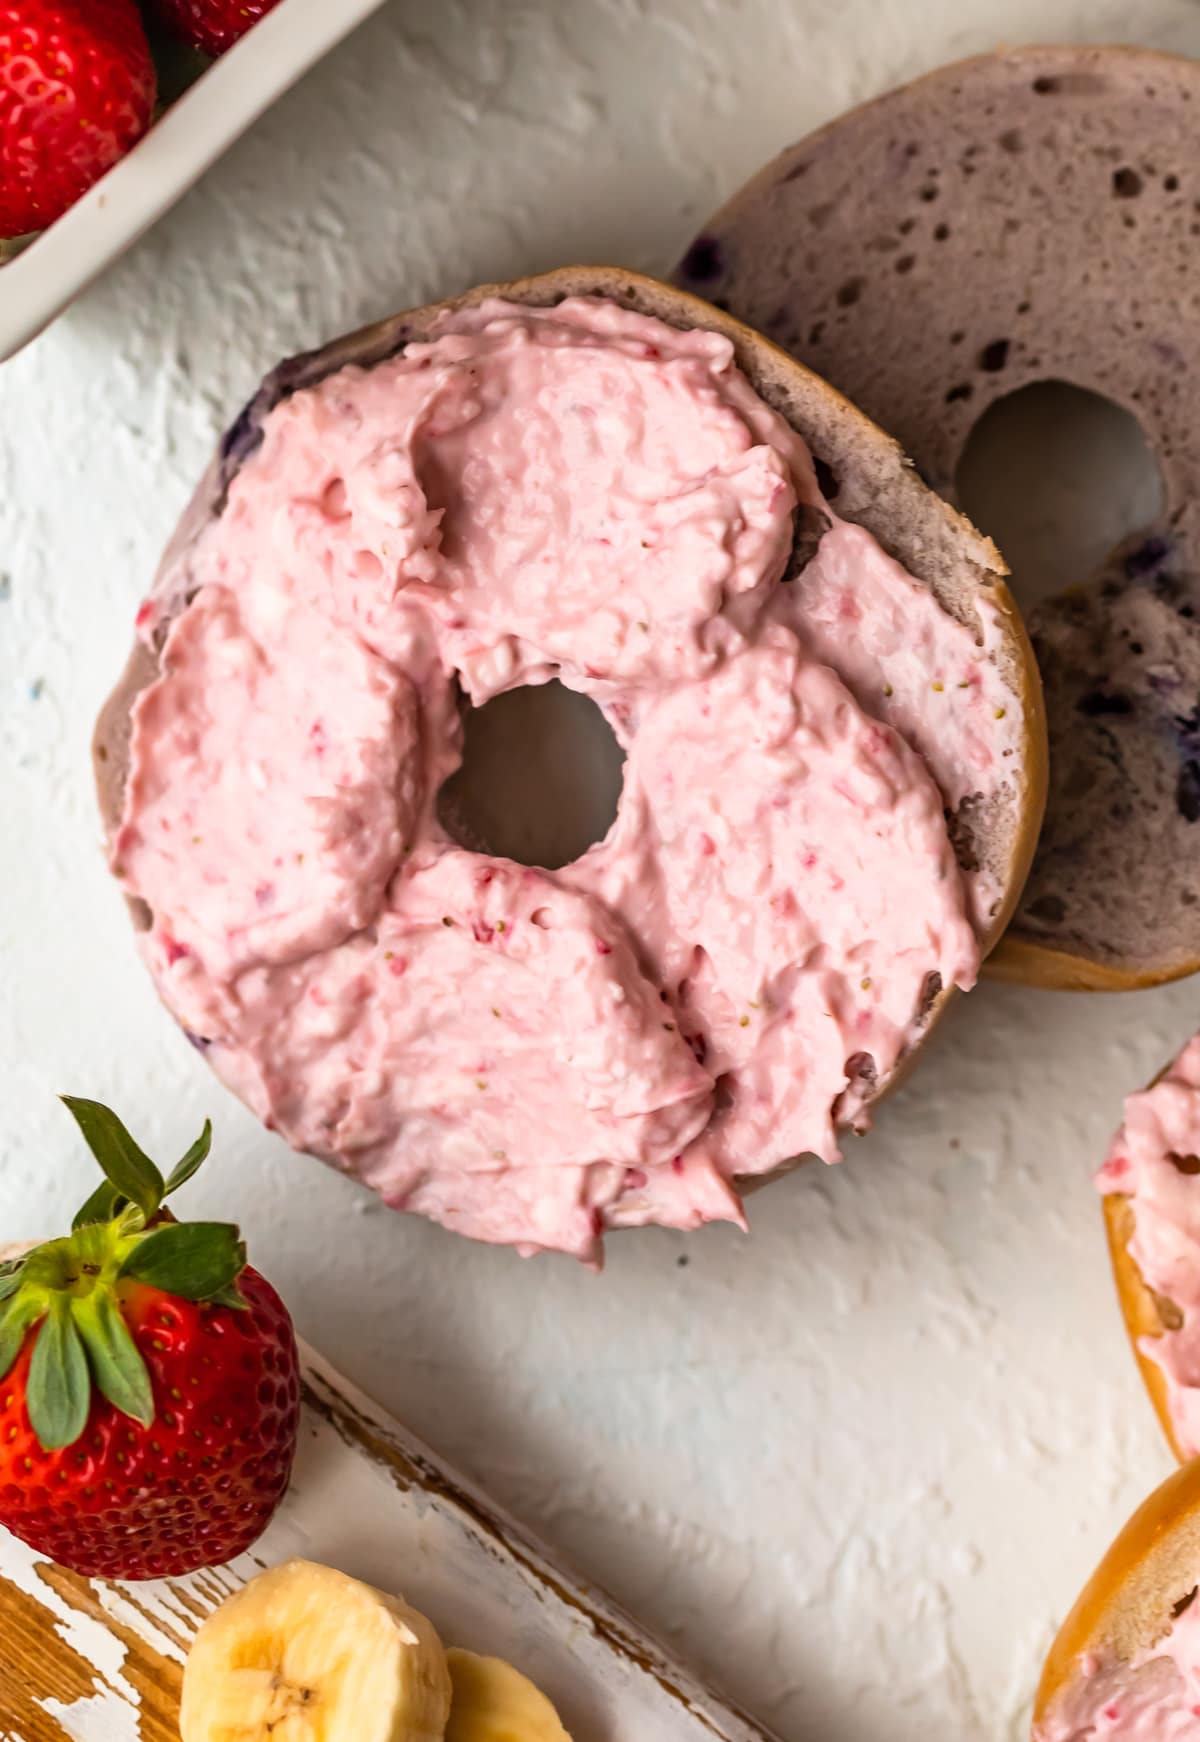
point(1126, 1663)
point(1021, 217)
point(827, 706)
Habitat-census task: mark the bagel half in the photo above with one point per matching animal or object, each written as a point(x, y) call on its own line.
point(877, 488)
point(1143, 1584)
point(1024, 216)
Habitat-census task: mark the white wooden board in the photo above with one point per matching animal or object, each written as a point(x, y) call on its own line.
point(98, 1662)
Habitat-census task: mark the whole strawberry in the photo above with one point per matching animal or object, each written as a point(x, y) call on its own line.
point(151, 1393)
point(211, 25)
point(77, 89)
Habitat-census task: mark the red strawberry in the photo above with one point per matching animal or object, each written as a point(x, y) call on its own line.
point(211, 25)
point(77, 89)
point(149, 1380)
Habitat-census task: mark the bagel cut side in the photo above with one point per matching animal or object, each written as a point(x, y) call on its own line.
point(1145, 1582)
point(1021, 217)
point(876, 488)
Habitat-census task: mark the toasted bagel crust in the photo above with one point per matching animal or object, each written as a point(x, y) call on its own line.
point(1140, 1307)
point(1128, 1603)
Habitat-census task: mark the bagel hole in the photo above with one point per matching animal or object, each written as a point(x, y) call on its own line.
point(540, 777)
point(1058, 476)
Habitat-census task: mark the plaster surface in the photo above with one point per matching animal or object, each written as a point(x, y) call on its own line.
point(857, 1465)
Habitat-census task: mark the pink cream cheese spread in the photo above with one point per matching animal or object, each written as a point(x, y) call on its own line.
point(1155, 1162)
point(1153, 1698)
point(530, 1056)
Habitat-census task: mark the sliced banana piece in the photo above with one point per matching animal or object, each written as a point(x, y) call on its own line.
point(304, 1654)
point(493, 1702)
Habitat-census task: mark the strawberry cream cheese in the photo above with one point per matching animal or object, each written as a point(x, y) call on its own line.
point(1153, 1698)
point(532, 1056)
point(1155, 1161)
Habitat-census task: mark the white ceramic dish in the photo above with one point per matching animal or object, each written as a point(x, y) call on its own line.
point(193, 133)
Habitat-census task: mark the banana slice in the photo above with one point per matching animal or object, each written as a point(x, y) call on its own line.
point(305, 1654)
point(493, 1702)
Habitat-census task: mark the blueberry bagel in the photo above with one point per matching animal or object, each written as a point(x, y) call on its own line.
point(1026, 216)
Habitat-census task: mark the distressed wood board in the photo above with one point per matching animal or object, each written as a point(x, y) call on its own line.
point(89, 1661)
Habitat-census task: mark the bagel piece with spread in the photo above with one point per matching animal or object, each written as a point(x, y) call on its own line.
point(831, 723)
point(1126, 1664)
point(1151, 1186)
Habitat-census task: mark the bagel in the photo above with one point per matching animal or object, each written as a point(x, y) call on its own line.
point(1152, 1219)
point(625, 1087)
point(1126, 1660)
point(1016, 217)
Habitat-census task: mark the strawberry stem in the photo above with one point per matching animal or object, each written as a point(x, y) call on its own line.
point(102, 1206)
point(68, 1293)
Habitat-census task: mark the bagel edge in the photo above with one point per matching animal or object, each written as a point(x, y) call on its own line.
point(1131, 1599)
point(1141, 1308)
point(878, 488)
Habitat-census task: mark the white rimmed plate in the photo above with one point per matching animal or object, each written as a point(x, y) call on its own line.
point(40, 282)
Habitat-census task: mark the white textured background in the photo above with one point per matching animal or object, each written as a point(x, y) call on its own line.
point(857, 1465)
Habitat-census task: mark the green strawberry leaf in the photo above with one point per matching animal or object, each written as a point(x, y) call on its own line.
point(230, 1297)
point(59, 1393)
point(15, 1319)
point(194, 1260)
point(10, 1277)
point(102, 1206)
point(117, 1366)
point(188, 1163)
point(128, 1170)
